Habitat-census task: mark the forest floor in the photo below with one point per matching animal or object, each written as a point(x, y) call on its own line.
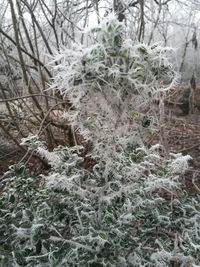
point(182, 135)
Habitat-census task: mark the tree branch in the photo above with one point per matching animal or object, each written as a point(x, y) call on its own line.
point(26, 52)
point(160, 3)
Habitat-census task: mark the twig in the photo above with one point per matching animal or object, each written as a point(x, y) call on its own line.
point(186, 149)
point(193, 182)
point(27, 96)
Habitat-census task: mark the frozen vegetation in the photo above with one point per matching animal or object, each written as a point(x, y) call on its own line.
point(129, 209)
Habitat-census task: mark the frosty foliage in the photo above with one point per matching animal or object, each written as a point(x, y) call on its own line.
point(125, 213)
point(180, 163)
point(111, 85)
point(130, 209)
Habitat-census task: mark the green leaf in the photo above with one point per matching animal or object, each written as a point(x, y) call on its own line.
point(38, 247)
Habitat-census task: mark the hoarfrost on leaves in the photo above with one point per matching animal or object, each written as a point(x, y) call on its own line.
point(109, 82)
point(179, 164)
point(115, 214)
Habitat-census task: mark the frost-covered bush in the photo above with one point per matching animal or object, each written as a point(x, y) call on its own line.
point(133, 213)
point(111, 86)
point(129, 210)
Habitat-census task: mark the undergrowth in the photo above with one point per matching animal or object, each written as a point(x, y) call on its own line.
point(128, 217)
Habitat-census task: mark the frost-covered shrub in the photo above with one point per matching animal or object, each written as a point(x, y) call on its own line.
point(129, 210)
point(111, 86)
point(124, 213)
